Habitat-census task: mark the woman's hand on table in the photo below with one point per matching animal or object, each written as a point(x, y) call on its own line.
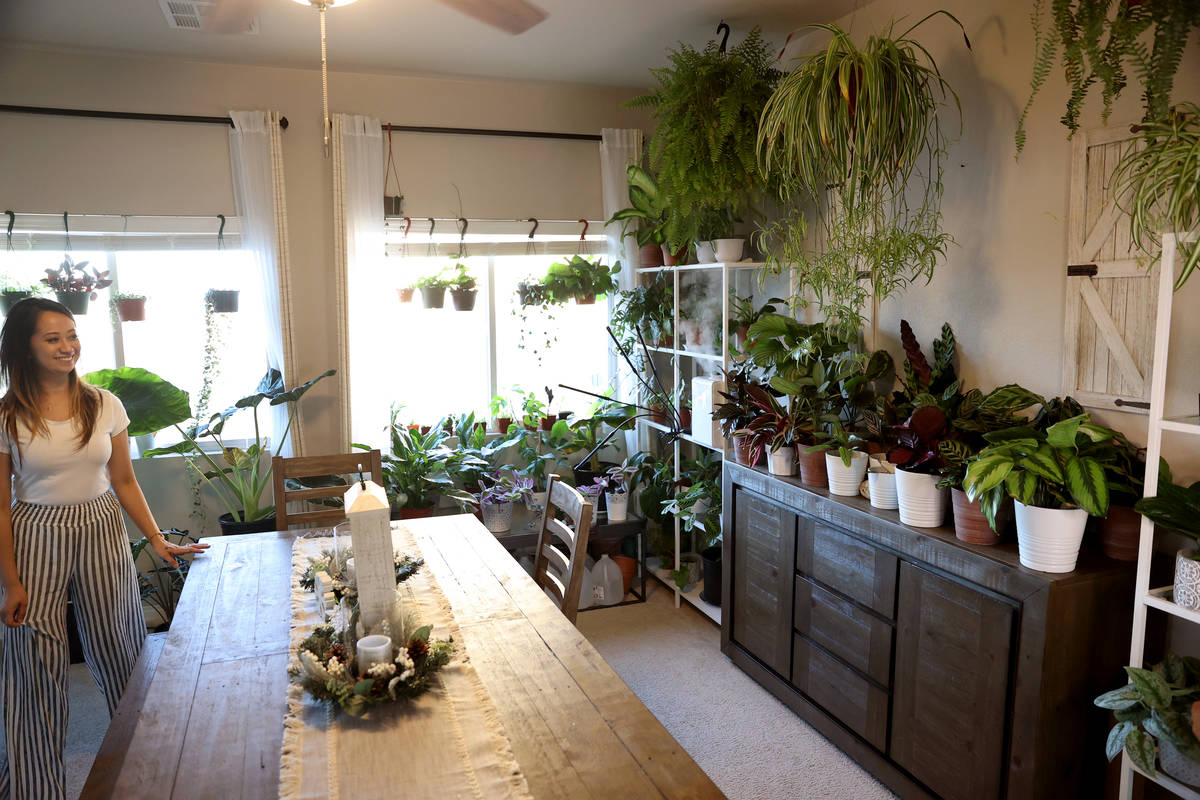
point(168, 551)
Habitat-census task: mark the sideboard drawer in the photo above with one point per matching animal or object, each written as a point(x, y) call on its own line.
point(850, 698)
point(859, 638)
point(848, 565)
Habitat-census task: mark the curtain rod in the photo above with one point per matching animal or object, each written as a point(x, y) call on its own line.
point(79, 112)
point(581, 137)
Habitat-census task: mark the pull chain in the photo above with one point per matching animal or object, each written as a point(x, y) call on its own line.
point(324, 81)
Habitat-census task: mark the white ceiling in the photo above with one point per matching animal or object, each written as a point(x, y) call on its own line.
point(604, 42)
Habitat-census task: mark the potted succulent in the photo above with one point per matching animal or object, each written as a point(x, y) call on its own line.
point(433, 289)
point(497, 497)
point(846, 468)
point(13, 291)
point(580, 278)
point(74, 285)
point(1177, 509)
point(1056, 478)
point(130, 307)
point(462, 288)
point(1158, 707)
point(649, 208)
point(773, 429)
point(223, 301)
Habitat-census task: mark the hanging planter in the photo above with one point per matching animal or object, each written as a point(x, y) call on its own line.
point(433, 296)
point(76, 302)
point(9, 298)
point(223, 301)
point(73, 285)
point(462, 288)
point(405, 294)
point(464, 299)
point(130, 307)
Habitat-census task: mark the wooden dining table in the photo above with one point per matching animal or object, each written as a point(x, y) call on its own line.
point(203, 715)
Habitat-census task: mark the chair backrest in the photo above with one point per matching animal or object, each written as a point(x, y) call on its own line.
point(369, 462)
point(564, 592)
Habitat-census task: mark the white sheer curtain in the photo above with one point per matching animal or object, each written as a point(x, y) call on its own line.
point(256, 156)
point(620, 147)
point(358, 234)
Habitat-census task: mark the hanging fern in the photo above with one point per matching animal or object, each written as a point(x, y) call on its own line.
point(1101, 42)
point(703, 149)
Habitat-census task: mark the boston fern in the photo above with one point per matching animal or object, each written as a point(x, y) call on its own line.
point(1101, 42)
point(707, 106)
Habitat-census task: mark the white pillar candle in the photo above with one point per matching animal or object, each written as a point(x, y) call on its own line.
point(349, 569)
point(372, 650)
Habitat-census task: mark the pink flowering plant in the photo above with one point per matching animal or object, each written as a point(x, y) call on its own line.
point(72, 277)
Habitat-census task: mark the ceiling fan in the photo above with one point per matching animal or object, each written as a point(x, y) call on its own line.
point(510, 16)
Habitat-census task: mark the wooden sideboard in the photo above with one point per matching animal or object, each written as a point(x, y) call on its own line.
point(945, 669)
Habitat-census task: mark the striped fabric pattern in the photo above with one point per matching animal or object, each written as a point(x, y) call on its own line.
point(81, 552)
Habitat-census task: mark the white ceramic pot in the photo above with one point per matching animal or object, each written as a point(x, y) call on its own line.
point(728, 251)
point(843, 480)
point(705, 253)
point(921, 503)
point(1187, 579)
point(618, 506)
point(782, 461)
point(1048, 539)
point(883, 490)
point(497, 517)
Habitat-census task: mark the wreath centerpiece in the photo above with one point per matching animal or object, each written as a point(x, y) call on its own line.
point(327, 662)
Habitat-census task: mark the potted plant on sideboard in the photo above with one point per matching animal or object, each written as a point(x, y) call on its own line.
point(1177, 509)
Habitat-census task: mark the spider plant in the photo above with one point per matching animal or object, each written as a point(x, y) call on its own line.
point(1161, 184)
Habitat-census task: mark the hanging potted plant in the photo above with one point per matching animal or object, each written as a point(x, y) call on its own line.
point(433, 289)
point(713, 179)
point(581, 278)
point(15, 291)
point(462, 288)
point(856, 133)
point(130, 307)
point(73, 285)
point(1056, 478)
point(223, 301)
point(1177, 509)
point(405, 293)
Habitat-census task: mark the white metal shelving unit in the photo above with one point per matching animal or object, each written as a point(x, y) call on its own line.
point(1145, 597)
point(692, 595)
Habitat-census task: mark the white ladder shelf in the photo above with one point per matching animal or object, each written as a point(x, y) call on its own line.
point(1145, 597)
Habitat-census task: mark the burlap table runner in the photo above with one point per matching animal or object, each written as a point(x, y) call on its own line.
point(448, 743)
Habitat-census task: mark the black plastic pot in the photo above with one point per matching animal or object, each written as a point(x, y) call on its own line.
point(710, 567)
point(10, 299)
point(464, 299)
point(433, 298)
point(224, 301)
point(76, 302)
point(230, 528)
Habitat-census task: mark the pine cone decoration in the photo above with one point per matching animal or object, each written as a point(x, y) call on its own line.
point(338, 651)
point(417, 649)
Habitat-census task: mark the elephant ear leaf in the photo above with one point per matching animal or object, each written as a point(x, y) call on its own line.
point(294, 394)
point(151, 402)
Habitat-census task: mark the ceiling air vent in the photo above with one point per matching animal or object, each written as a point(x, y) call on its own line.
point(188, 15)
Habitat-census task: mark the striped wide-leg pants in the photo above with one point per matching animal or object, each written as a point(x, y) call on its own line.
point(82, 552)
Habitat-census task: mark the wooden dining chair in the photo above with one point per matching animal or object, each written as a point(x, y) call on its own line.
point(349, 465)
point(563, 498)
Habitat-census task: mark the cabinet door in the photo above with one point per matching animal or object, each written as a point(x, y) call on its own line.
point(951, 687)
point(764, 547)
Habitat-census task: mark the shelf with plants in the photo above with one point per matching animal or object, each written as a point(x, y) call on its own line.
point(710, 265)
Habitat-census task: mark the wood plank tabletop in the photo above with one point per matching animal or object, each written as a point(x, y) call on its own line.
point(203, 714)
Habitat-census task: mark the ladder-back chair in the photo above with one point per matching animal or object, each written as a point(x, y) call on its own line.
point(369, 462)
point(561, 497)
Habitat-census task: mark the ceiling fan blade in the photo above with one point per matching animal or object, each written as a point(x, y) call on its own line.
point(510, 16)
point(231, 16)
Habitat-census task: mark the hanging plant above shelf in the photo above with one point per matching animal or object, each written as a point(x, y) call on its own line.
point(73, 284)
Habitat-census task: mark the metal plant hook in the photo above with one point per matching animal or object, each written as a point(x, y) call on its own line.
point(12, 219)
point(67, 231)
point(723, 27)
point(583, 233)
point(533, 230)
point(407, 225)
point(221, 233)
point(431, 250)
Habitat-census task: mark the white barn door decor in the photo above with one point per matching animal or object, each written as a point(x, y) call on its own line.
point(1109, 336)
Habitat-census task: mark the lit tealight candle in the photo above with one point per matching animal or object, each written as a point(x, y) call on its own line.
point(372, 650)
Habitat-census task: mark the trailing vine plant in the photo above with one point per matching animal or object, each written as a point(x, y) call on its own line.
point(210, 370)
point(855, 133)
point(1100, 42)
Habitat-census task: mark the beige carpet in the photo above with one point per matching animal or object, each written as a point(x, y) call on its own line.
point(750, 744)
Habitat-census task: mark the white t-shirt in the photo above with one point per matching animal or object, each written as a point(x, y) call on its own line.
point(54, 470)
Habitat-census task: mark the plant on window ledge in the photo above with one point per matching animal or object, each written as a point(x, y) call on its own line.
point(856, 133)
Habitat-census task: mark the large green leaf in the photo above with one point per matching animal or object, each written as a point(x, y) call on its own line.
point(1062, 434)
point(1010, 398)
point(1153, 688)
point(1044, 463)
point(151, 402)
point(295, 393)
point(1087, 485)
point(1021, 485)
point(1140, 747)
point(984, 473)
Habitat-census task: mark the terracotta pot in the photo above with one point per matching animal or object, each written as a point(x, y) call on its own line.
point(131, 309)
point(671, 259)
point(585, 299)
point(546, 423)
point(812, 468)
point(741, 450)
point(970, 525)
point(503, 424)
point(685, 419)
point(405, 295)
point(628, 567)
point(650, 255)
point(658, 414)
point(1120, 533)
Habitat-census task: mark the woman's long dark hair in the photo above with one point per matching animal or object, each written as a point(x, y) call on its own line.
point(19, 373)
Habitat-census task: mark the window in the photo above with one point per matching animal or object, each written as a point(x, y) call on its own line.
point(174, 268)
point(436, 362)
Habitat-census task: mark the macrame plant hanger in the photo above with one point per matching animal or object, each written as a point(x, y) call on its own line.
point(393, 204)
